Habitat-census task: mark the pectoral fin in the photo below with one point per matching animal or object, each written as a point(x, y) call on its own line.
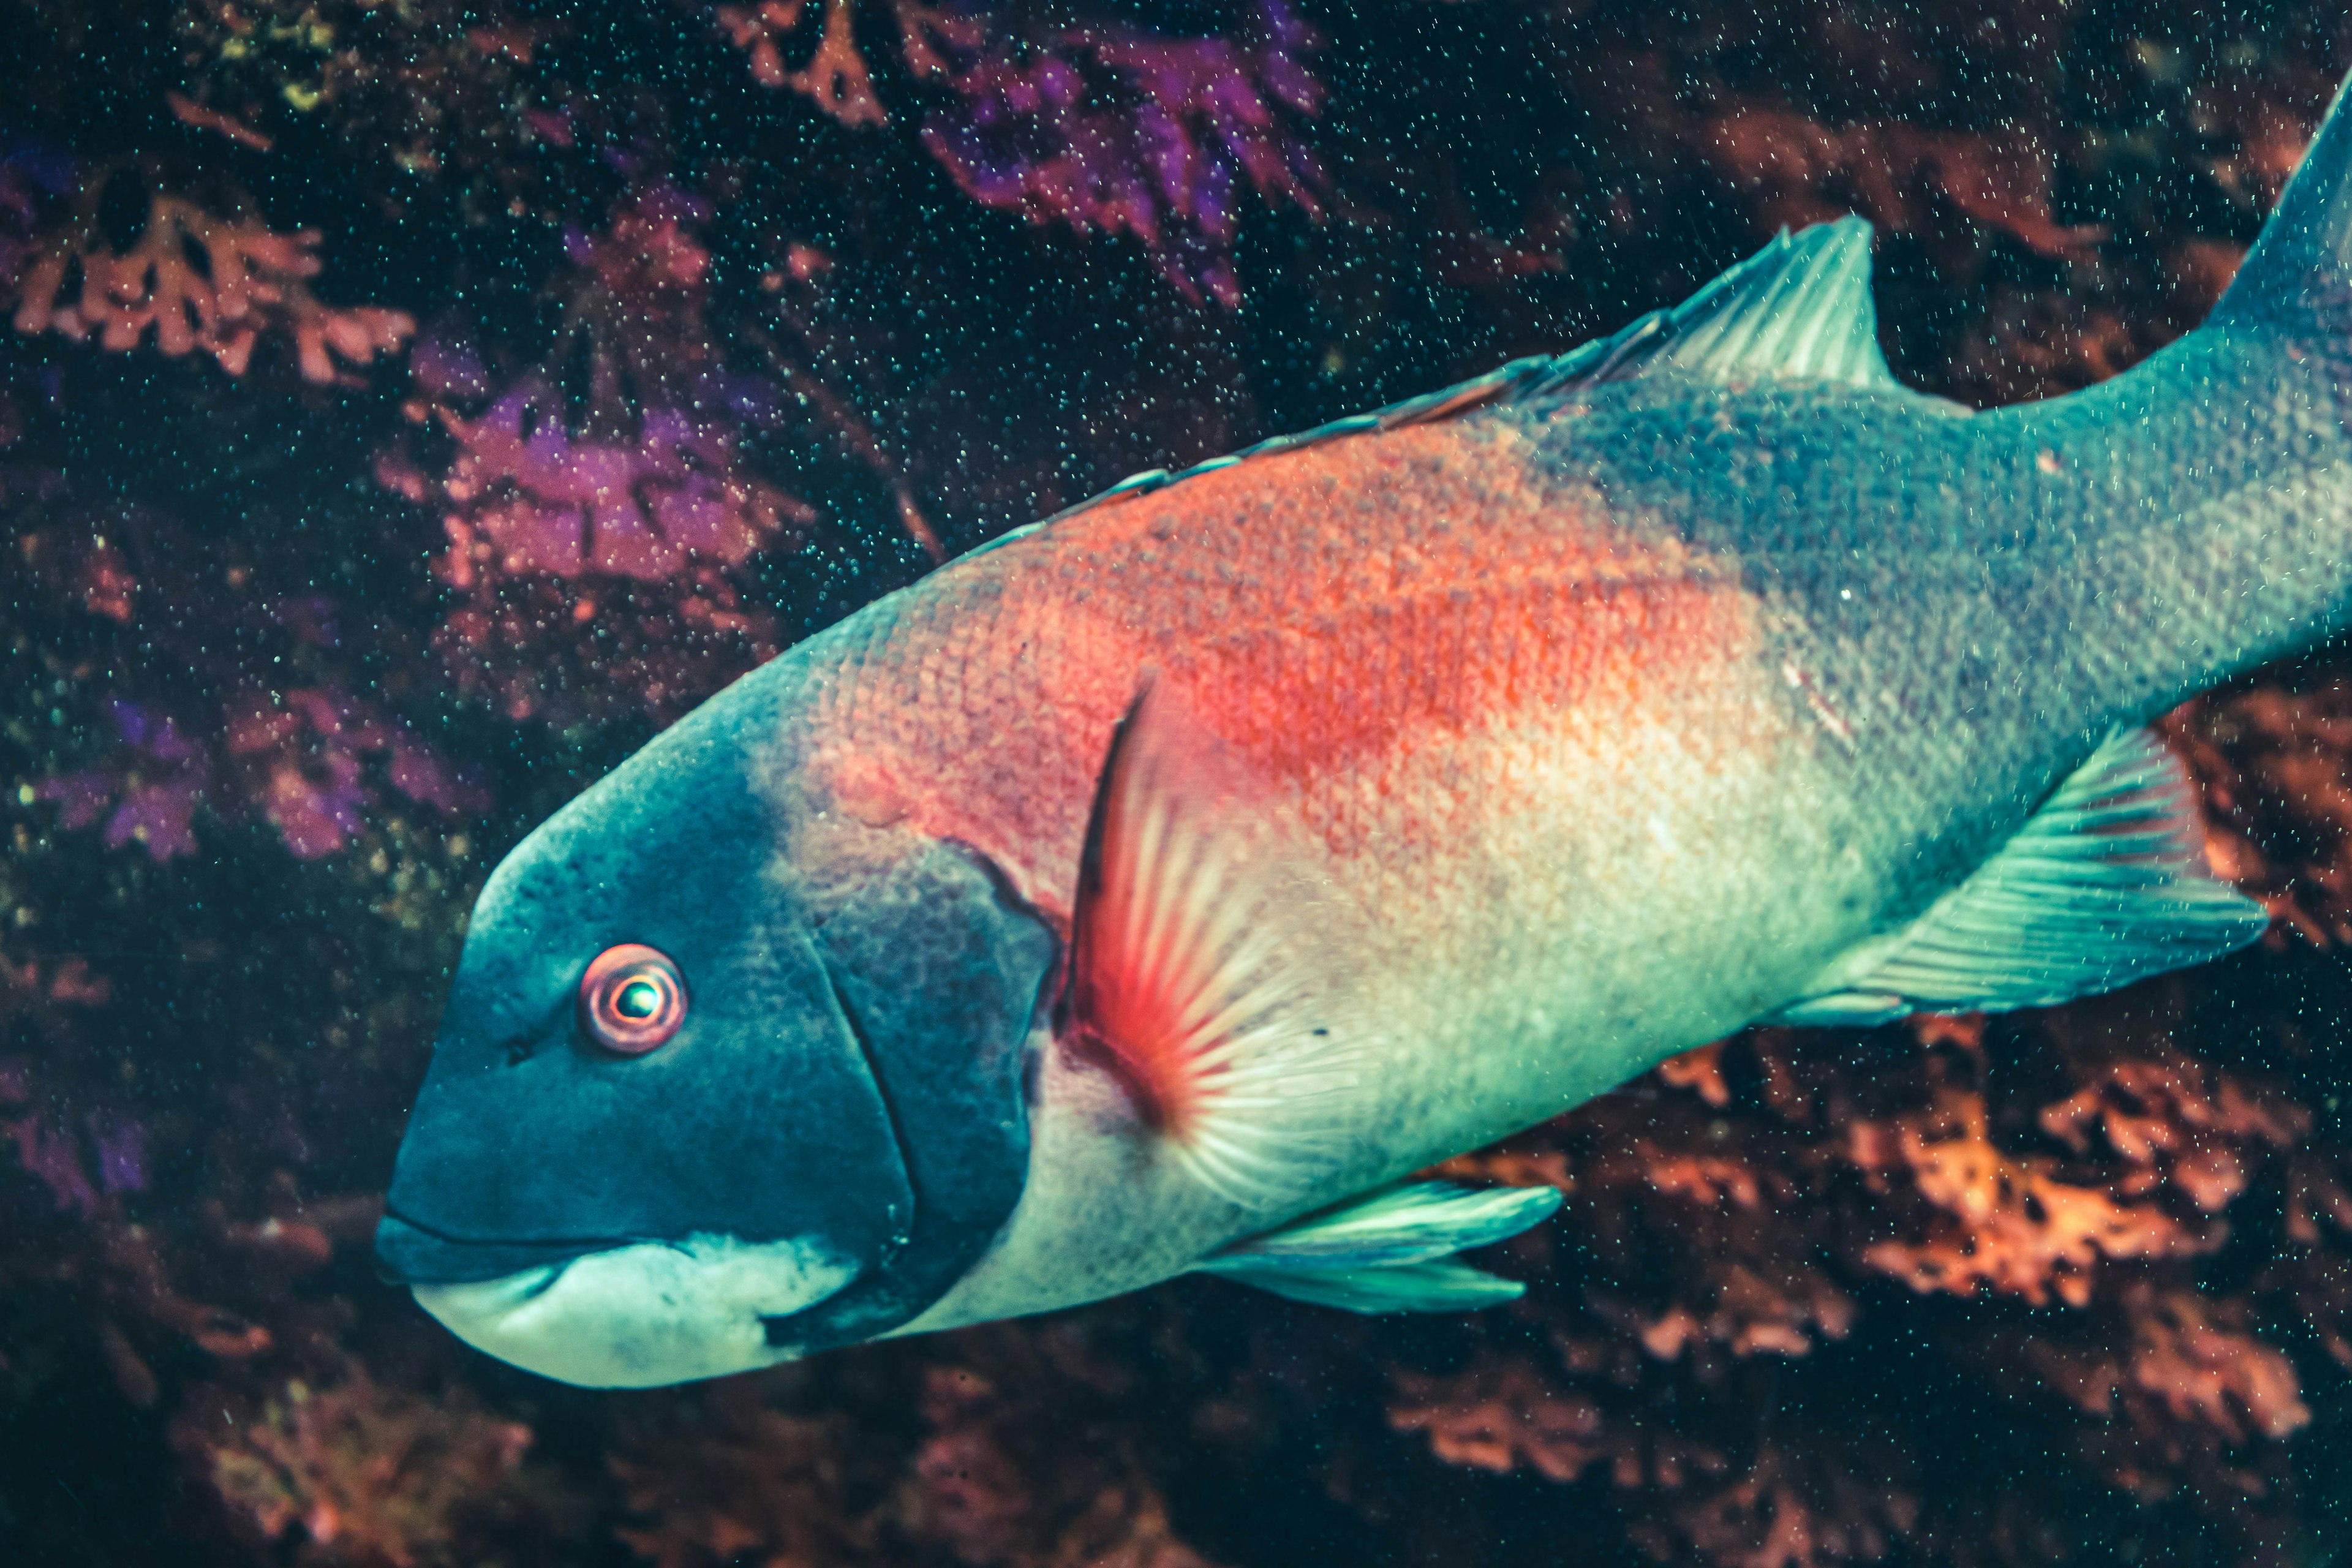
point(1392, 1251)
point(2105, 885)
point(1202, 967)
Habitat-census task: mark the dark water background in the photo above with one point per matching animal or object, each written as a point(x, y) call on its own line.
point(297, 638)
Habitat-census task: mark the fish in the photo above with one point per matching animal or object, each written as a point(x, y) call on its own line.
point(1159, 889)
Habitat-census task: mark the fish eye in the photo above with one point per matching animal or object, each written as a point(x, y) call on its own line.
point(632, 999)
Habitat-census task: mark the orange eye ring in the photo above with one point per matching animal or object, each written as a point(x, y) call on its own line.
point(632, 999)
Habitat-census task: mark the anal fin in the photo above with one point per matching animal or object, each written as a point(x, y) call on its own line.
point(1390, 1251)
point(2105, 885)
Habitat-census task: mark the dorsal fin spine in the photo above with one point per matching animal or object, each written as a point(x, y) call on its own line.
point(1800, 307)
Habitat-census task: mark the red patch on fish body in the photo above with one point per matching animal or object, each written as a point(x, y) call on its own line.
point(1389, 630)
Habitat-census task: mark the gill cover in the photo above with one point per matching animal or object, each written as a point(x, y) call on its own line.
point(832, 1133)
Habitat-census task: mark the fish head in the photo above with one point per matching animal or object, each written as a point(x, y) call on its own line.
point(696, 1107)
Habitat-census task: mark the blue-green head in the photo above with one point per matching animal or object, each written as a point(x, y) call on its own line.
point(695, 1108)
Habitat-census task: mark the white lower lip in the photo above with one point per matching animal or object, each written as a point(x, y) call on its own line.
point(642, 1316)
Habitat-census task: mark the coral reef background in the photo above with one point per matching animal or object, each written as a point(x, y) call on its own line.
point(408, 405)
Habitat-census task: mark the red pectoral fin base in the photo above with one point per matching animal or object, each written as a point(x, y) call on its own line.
point(1201, 968)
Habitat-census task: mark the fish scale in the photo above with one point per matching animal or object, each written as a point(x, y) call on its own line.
point(1458, 751)
point(1790, 632)
point(1153, 890)
point(1323, 672)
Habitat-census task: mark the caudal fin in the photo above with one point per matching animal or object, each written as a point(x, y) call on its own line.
point(2300, 269)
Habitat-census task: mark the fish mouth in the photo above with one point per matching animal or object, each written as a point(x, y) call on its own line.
point(410, 1252)
point(628, 1314)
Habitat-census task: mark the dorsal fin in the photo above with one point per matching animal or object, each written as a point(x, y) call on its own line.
point(1392, 1250)
point(1200, 973)
point(2105, 885)
point(1798, 308)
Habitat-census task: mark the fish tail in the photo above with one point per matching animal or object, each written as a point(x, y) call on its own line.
point(2213, 484)
point(2297, 278)
point(2285, 511)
